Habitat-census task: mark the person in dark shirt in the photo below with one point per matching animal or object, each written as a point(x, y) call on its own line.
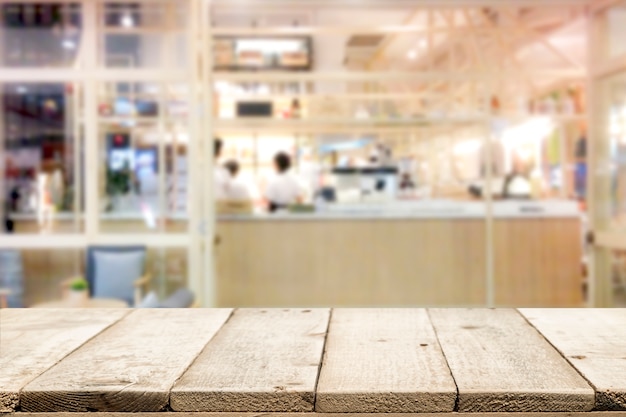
point(580, 179)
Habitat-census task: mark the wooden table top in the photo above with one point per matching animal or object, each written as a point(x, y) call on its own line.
point(313, 360)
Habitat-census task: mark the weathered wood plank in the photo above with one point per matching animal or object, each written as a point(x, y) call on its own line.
point(261, 360)
point(129, 367)
point(594, 342)
point(383, 360)
point(32, 341)
point(501, 363)
point(234, 414)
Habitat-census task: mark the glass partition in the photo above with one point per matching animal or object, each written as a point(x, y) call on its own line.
point(143, 140)
point(36, 35)
point(42, 154)
point(148, 35)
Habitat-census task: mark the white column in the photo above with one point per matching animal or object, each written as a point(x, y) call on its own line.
point(207, 134)
point(195, 188)
point(90, 112)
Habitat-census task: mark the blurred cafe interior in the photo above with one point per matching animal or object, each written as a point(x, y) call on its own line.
point(246, 153)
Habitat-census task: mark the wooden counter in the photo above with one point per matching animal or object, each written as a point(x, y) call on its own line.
point(399, 262)
point(322, 361)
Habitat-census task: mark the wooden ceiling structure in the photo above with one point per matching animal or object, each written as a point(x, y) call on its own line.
point(463, 53)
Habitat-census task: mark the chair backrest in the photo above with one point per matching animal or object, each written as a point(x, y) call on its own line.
point(12, 277)
point(112, 270)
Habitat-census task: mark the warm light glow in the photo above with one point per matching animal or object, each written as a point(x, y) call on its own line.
point(467, 146)
point(269, 46)
point(532, 131)
point(127, 21)
point(222, 87)
point(412, 55)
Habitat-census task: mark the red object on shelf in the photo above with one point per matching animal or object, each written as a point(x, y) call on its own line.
point(105, 110)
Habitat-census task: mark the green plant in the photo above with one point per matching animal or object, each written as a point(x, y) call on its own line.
point(118, 182)
point(79, 284)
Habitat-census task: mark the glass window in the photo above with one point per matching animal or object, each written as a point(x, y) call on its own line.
point(143, 139)
point(42, 153)
point(144, 35)
point(616, 91)
point(168, 267)
point(46, 34)
point(43, 271)
point(35, 276)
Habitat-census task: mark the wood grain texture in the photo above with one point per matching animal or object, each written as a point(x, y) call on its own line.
point(32, 341)
point(261, 361)
point(129, 367)
point(501, 363)
point(594, 342)
point(537, 263)
point(209, 414)
point(334, 263)
point(383, 360)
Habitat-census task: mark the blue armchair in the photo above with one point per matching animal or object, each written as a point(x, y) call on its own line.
point(11, 279)
point(117, 272)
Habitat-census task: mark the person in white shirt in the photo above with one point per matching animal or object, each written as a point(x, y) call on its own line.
point(220, 175)
point(283, 189)
point(235, 189)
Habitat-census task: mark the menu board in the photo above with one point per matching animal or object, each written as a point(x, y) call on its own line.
point(253, 53)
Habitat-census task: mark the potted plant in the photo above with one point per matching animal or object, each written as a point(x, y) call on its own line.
point(78, 294)
point(118, 185)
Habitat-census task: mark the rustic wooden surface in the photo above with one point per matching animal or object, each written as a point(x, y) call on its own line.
point(261, 360)
point(501, 363)
point(484, 361)
point(247, 414)
point(129, 367)
point(383, 360)
point(594, 342)
point(32, 341)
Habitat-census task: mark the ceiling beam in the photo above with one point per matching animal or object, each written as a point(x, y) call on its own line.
point(541, 38)
point(389, 40)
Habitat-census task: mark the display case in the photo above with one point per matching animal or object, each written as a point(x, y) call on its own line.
point(237, 53)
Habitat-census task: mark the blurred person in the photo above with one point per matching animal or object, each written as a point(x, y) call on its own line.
point(235, 189)
point(295, 112)
point(518, 183)
point(220, 175)
point(580, 173)
point(283, 189)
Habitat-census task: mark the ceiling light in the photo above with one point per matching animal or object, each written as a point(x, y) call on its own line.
point(412, 55)
point(68, 44)
point(269, 46)
point(127, 21)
